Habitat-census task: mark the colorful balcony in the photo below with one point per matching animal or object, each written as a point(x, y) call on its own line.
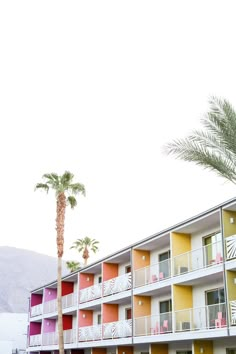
point(35, 340)
point(90, 333)
point(153, 325)
point(153, 273)
point(230, 247)
point(117, 284)
point(90, 293)
point(36, 310)
point(198, 259)
point(69, 300)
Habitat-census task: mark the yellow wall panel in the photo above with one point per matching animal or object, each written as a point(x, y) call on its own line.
point(181, 243)
point(229, 229)
point(207, 346)
point(231, 275)
point(159, 348)
point(182, 297)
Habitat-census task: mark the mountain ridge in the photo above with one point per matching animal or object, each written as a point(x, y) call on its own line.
point(22, 271)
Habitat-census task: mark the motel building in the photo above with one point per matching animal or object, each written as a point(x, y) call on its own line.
point(171, 293)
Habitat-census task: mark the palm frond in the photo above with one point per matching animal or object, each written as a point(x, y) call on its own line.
point(72, 201)
point(66, 178)
point(43, 186)
point(76, 188)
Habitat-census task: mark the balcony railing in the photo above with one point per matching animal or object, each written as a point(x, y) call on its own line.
point(152, 325)
point(230, 246)
point(69, 336)
point(233, 312)
point(197, 259)
point(118, 284)
point(36, 310)
point(119, 329)
point(153, 273)
point(111, 330)
point(35, 340)
point(50, 306)
point(89, 333)
point(91, 293)
point(69, 300)
point(201, 318)
point(50, 338)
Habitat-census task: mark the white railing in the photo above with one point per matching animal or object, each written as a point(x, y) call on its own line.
point(230, 246)
point(35, 340)
point(118, 284)
point(68, 300)
point(50, 338)
point(91, 293)
point(197, 259)
point(50, 306)
point(152, 325)
point(36, 310)
point(69, 336)
point(90, 333)
point(233, 312)
point(119, 329)
point(201, 318)
point(153, 273)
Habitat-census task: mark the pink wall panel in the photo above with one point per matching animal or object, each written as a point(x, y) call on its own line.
point(49, 325)
point(86, 280)
point(50, 294)
point(35, 328)
point(36, 299)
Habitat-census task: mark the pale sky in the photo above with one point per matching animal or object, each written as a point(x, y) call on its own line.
point(97, 88)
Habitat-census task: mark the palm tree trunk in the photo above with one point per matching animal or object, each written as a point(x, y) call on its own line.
point(59, 307)
point(60, 221)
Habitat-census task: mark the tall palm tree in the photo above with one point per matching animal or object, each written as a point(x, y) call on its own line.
point(73, 266)
point(213, 148)
point(84, 245)
point(65, 191)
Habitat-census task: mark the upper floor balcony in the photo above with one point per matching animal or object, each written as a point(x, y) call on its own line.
point(196, 259)
point(117, 284)
point(69, 300)
point(90, 293)
point(153, 273)
point(36, 310)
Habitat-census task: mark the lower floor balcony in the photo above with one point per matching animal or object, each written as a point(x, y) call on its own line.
point(193, 319)
point(111, 330)
point(51, 338)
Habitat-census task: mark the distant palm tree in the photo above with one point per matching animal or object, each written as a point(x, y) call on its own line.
point(73, 266)
point(84, 245)
point(65, 191)
point(215, 147)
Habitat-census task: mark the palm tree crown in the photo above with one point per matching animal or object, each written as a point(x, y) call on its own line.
point(84, 244)
point(73, 266)
point(215, 147)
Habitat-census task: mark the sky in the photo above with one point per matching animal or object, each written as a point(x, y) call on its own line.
point(98, 88)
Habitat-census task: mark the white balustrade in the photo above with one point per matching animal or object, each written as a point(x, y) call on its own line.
point(36, 310)
point(68, 300)
point(118, 329)
point(50, 338)
point(91, 293)
point(50, 306)
point(90, 333)
point(35, 340)
point(118, 284)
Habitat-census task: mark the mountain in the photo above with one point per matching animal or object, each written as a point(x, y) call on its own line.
point(20, 272)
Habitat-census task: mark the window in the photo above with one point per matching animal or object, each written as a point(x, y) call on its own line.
point(231, 351)
point(100, 279)
point(128, 269)
point(164, 264)
point(184, 352)
point(213, 248)
point(128, 314)
point(215, 301)
point(99, 319)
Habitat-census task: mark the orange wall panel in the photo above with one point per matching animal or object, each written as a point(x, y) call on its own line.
point(110, 313)
point(125, 349)
point(87, 320)
point(99, 350)
point(86, 280)
point(110, 270)
point(142, 306)
point(141, 259)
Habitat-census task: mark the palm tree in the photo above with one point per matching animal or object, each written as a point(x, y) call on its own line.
point(65, 191)
point(83, 245)
point(73, 266)
point(215, 147)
